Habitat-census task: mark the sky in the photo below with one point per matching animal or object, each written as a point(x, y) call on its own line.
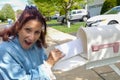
point(16, 4)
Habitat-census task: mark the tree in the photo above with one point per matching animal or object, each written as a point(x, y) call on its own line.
point(118, 2)
point(59, 5)
point(108, 4)
point(18, 13)
point(45, 7)
point(8, 12)
point(1, 16)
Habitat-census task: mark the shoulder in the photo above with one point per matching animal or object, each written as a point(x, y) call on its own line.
point(4, 50)
point(5, 46)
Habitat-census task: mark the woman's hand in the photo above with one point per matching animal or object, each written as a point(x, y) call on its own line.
point(54, 56)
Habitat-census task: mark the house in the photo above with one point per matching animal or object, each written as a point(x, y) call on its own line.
point(94, 7)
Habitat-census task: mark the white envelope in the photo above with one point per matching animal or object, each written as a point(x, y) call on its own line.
point(71, 48)
point(72, 59)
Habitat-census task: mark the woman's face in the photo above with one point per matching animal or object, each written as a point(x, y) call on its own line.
point(29, 33)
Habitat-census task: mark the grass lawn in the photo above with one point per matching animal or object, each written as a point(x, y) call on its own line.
point(73, 28)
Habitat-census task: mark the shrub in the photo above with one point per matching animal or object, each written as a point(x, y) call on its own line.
point(108, 4)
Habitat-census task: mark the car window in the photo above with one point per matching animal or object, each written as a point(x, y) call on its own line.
point(113, 10)
point(73, 12)
point(79, 11)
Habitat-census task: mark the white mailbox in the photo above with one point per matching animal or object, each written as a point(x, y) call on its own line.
point(98, 46)
point(100, 42)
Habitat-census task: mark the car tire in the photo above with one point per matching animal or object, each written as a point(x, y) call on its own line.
point(84, 18)
point(113, 22)
point(63, 20)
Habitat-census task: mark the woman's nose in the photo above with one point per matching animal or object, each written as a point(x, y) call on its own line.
point(32, 37)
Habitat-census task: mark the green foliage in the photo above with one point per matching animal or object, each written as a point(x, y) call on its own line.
point(62, 6)
point(18, 13)
point(118, 2)
point(108, 4)
point(7, 12)
point(69, 5)
point(1, 16)
point(45, 8)
point(62, 12)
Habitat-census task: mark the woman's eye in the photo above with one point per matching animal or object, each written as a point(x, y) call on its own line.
point(37, 32)
point(27, 30)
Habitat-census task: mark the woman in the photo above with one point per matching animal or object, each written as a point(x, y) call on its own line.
point(22, 54)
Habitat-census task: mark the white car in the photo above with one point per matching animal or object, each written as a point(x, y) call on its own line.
point(80, 14)
point(75, 15)
point(108, 18)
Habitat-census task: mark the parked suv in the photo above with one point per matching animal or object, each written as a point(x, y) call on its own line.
point(75, 15)
point(80, 14)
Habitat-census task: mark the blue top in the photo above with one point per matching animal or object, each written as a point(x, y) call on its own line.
point(17, 63)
